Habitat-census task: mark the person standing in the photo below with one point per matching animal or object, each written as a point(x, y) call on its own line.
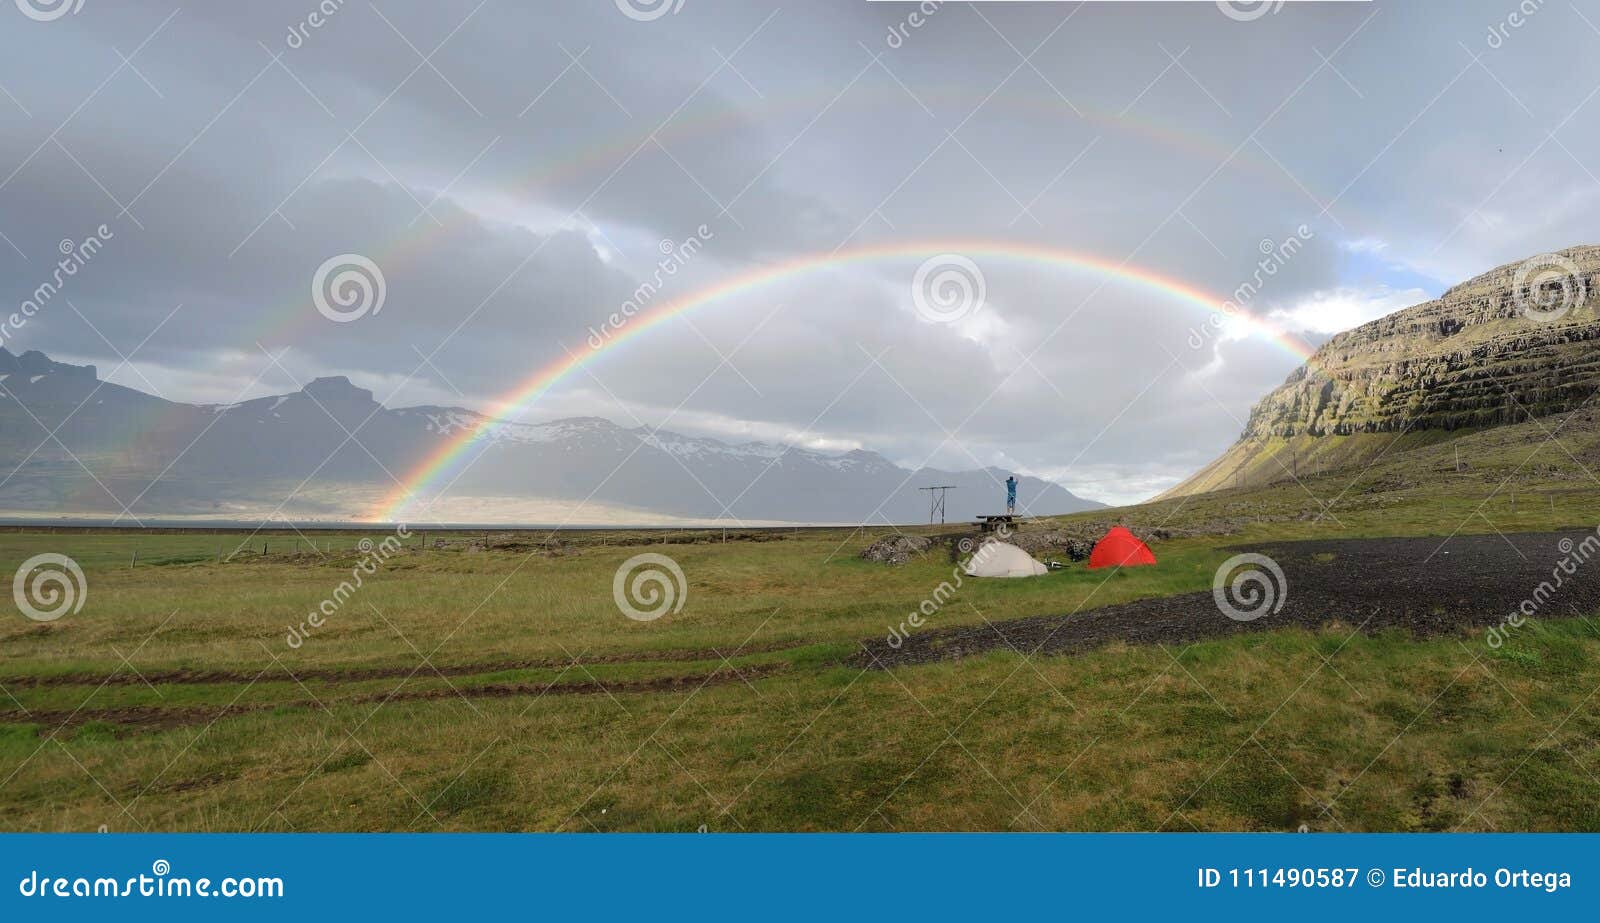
point(1011, 495)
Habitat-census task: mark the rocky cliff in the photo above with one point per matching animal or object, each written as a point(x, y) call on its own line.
point(1519, 342)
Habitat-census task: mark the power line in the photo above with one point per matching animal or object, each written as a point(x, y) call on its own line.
point(936, 500)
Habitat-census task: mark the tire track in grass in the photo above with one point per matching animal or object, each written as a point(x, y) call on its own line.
point(155, 718)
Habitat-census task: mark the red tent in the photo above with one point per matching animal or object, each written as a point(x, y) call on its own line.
point(1120, 549)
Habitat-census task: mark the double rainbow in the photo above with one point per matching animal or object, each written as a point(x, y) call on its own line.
point(435, 468)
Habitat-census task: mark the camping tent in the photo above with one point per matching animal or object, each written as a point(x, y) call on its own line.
point(1001, 559)
point(1120, 548)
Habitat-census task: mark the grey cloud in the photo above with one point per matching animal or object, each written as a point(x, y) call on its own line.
point(549, 183)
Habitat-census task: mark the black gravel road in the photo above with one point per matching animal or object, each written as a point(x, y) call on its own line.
point(1431, 586)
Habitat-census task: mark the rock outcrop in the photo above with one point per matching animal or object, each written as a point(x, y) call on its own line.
point(896, 549)
point(1519, 342)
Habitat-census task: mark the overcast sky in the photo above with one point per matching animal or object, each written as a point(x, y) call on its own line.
point(512, 170)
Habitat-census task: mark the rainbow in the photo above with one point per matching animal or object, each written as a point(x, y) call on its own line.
point(405, 246)
point(443, 460)
point(602, 156)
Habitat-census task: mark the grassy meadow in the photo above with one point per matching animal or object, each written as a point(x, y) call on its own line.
point(469, 689)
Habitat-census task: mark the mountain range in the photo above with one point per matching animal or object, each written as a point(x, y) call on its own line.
point(75, 445)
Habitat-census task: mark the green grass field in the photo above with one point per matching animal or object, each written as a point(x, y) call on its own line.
point(504, 690)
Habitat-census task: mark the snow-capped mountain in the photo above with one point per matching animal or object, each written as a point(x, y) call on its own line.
point(331, 451)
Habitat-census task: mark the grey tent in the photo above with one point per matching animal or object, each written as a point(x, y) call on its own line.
point(1002, 559)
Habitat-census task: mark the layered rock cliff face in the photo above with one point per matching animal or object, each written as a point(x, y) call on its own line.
point(1520, 341)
